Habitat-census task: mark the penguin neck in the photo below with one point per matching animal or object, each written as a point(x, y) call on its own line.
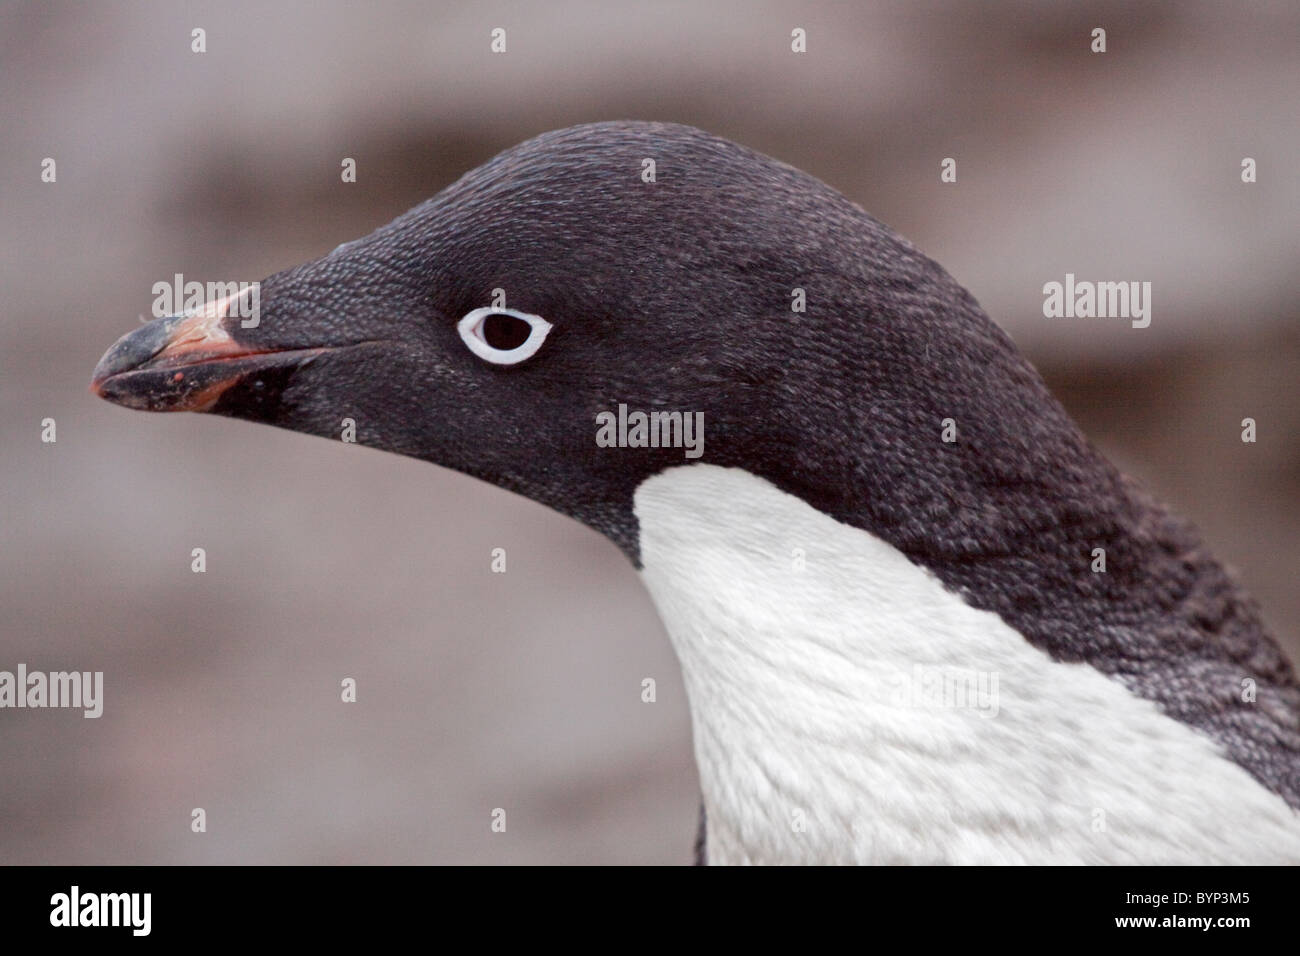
point(847, 707)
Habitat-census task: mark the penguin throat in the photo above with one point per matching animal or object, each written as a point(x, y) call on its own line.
point(847, 707)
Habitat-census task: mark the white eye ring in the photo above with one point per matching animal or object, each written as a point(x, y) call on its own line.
point(471, 332)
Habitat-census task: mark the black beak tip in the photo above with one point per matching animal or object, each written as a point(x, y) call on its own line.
point(130, 352)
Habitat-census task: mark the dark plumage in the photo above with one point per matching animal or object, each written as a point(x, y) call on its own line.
point(676, 294)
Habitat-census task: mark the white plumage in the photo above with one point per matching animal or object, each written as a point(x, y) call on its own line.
point(814, 744)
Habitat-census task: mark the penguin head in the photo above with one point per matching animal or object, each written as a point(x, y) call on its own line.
point(496, 328)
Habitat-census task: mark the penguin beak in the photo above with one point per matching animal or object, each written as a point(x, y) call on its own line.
point(184, 363)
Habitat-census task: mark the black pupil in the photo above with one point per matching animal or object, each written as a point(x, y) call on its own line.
point(505, 332)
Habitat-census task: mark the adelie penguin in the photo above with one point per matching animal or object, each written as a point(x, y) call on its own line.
point(896, 647)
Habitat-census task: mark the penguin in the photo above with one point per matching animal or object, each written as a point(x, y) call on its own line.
point(876, 561)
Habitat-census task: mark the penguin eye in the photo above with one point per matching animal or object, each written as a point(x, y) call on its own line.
point(503, 336)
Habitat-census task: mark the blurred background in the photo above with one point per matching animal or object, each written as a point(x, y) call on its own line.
point(522, 691)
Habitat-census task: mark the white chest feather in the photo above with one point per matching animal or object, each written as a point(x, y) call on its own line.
point(848, 708)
